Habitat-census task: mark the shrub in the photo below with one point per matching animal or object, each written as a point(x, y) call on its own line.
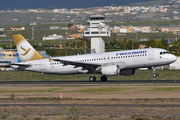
point(12, 96)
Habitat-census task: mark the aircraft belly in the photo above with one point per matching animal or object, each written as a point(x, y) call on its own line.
point(135, 64)
point(60, 69)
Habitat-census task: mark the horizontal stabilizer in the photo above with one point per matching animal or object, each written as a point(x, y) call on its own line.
point(21, 65)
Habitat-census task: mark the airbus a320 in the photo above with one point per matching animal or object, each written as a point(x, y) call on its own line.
point(109, 63)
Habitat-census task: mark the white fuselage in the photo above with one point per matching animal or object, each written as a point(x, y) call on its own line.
point(132, 59)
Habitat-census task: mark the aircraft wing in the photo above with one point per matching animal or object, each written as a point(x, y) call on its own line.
point(89, 66)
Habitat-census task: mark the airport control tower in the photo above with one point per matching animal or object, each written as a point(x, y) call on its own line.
point(96, 30)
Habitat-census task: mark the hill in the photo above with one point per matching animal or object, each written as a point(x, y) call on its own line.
point(51, 4)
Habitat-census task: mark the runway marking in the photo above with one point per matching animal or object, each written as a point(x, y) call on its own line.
point(96, 82)
point(97, 105)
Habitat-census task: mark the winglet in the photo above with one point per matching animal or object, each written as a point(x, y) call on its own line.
point(25, 50)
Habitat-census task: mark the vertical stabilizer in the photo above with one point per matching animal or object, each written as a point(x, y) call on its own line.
point(25, 50)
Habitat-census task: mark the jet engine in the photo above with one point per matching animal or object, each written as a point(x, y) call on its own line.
point(110, 70)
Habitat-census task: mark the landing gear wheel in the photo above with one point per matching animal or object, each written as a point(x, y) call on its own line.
point(155, 75)
point(92, 78)
point(154, 72)
point(103, 78)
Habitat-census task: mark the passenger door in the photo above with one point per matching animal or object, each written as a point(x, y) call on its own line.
point(151, 54)
point(43, 68)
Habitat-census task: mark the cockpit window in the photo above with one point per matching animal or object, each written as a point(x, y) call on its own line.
point(164, 52)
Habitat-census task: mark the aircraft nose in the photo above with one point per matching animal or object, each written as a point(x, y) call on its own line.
point(173, 58)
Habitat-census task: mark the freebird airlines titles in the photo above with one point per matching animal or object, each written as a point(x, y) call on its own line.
point(108, 63)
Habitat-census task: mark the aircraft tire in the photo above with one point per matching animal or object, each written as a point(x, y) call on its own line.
point(103, 78)
point(155, 75)
point(92, 78)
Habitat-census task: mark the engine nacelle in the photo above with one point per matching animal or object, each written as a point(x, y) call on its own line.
point(127, 72)
point(110, 70)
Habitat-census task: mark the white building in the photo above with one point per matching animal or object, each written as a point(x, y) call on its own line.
point(54, 27)
point(146, 29)
point(96, 30)
point(123, 30)
point(53, 37)
point(136, 29)
point(2, 29)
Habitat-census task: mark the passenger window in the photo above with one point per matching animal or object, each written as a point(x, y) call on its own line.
point(160, 53)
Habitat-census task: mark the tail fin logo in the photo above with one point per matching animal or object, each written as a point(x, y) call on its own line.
point(26, 51)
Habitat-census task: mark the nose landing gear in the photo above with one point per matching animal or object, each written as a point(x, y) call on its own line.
point(154, 72)
point(92, 78)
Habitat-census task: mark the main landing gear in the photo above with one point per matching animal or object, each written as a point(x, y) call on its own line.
point(103, 78)
point(93, 78)
point(154, 72)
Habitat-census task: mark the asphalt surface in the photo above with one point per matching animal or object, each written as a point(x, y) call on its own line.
point(96, 82)
point(97, 105)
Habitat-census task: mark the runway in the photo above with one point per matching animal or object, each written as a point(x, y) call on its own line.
point(96, 82)
point(97, 105)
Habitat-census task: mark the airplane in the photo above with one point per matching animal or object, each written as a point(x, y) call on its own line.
point(109, 63)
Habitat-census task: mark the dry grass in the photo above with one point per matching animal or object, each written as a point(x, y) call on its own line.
point(91, 94)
